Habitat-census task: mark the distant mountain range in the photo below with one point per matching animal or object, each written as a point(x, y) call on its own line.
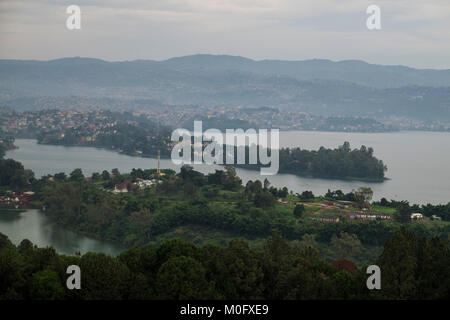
point(317, 86)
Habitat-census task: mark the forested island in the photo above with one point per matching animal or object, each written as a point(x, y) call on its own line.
point(338, 163)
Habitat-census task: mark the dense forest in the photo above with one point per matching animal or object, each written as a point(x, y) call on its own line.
point(333, 163)
point(412, 268)
point(339, 163)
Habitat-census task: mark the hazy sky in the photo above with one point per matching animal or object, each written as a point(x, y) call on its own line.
point(414, 32)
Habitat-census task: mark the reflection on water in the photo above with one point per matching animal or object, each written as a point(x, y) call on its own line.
point(36, 227)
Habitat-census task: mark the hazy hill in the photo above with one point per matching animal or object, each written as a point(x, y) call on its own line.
point(378, 76)
point(319, 86)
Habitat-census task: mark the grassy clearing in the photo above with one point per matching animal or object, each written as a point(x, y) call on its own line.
point(383, 210)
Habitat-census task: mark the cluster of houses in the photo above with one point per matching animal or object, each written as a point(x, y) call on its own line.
point(364, 215)
point(127, 185)
point(418, 216)
point(86, 123)
point(372, 217)
point(351, 215)
point(17, 199)
point(368, 216)
point(326, 219)
point(341, 204)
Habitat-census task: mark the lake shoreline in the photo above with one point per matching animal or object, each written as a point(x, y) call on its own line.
point(418, 177)
point(163, 157)
point(370, 180)
point(41, 230)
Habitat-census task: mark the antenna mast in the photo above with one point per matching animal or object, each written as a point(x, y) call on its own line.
point(159, 151)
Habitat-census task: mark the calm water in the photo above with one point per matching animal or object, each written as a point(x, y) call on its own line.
point(36, 227)
point(418, 168)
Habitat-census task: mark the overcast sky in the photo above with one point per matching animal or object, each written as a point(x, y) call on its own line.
point(413, 32)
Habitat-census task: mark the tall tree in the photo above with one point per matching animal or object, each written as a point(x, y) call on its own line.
point(398, 264)
point(183, 278)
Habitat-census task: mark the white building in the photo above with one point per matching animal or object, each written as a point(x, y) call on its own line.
point(416, 216)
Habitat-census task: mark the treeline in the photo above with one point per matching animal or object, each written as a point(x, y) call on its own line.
point(333, 163)
point(339, 163)
point(428, 210)
point(403, 208)
point(411, 268)
point(6, 142)
point(13, 175)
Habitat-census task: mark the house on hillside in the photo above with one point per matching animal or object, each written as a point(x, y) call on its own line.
point(123, 187)
point(326, 219)
point(345, 202)
point(143, 184)
point(416, 216)
point(365, 216)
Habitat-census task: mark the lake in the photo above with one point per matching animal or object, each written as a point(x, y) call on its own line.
point(418, 169)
